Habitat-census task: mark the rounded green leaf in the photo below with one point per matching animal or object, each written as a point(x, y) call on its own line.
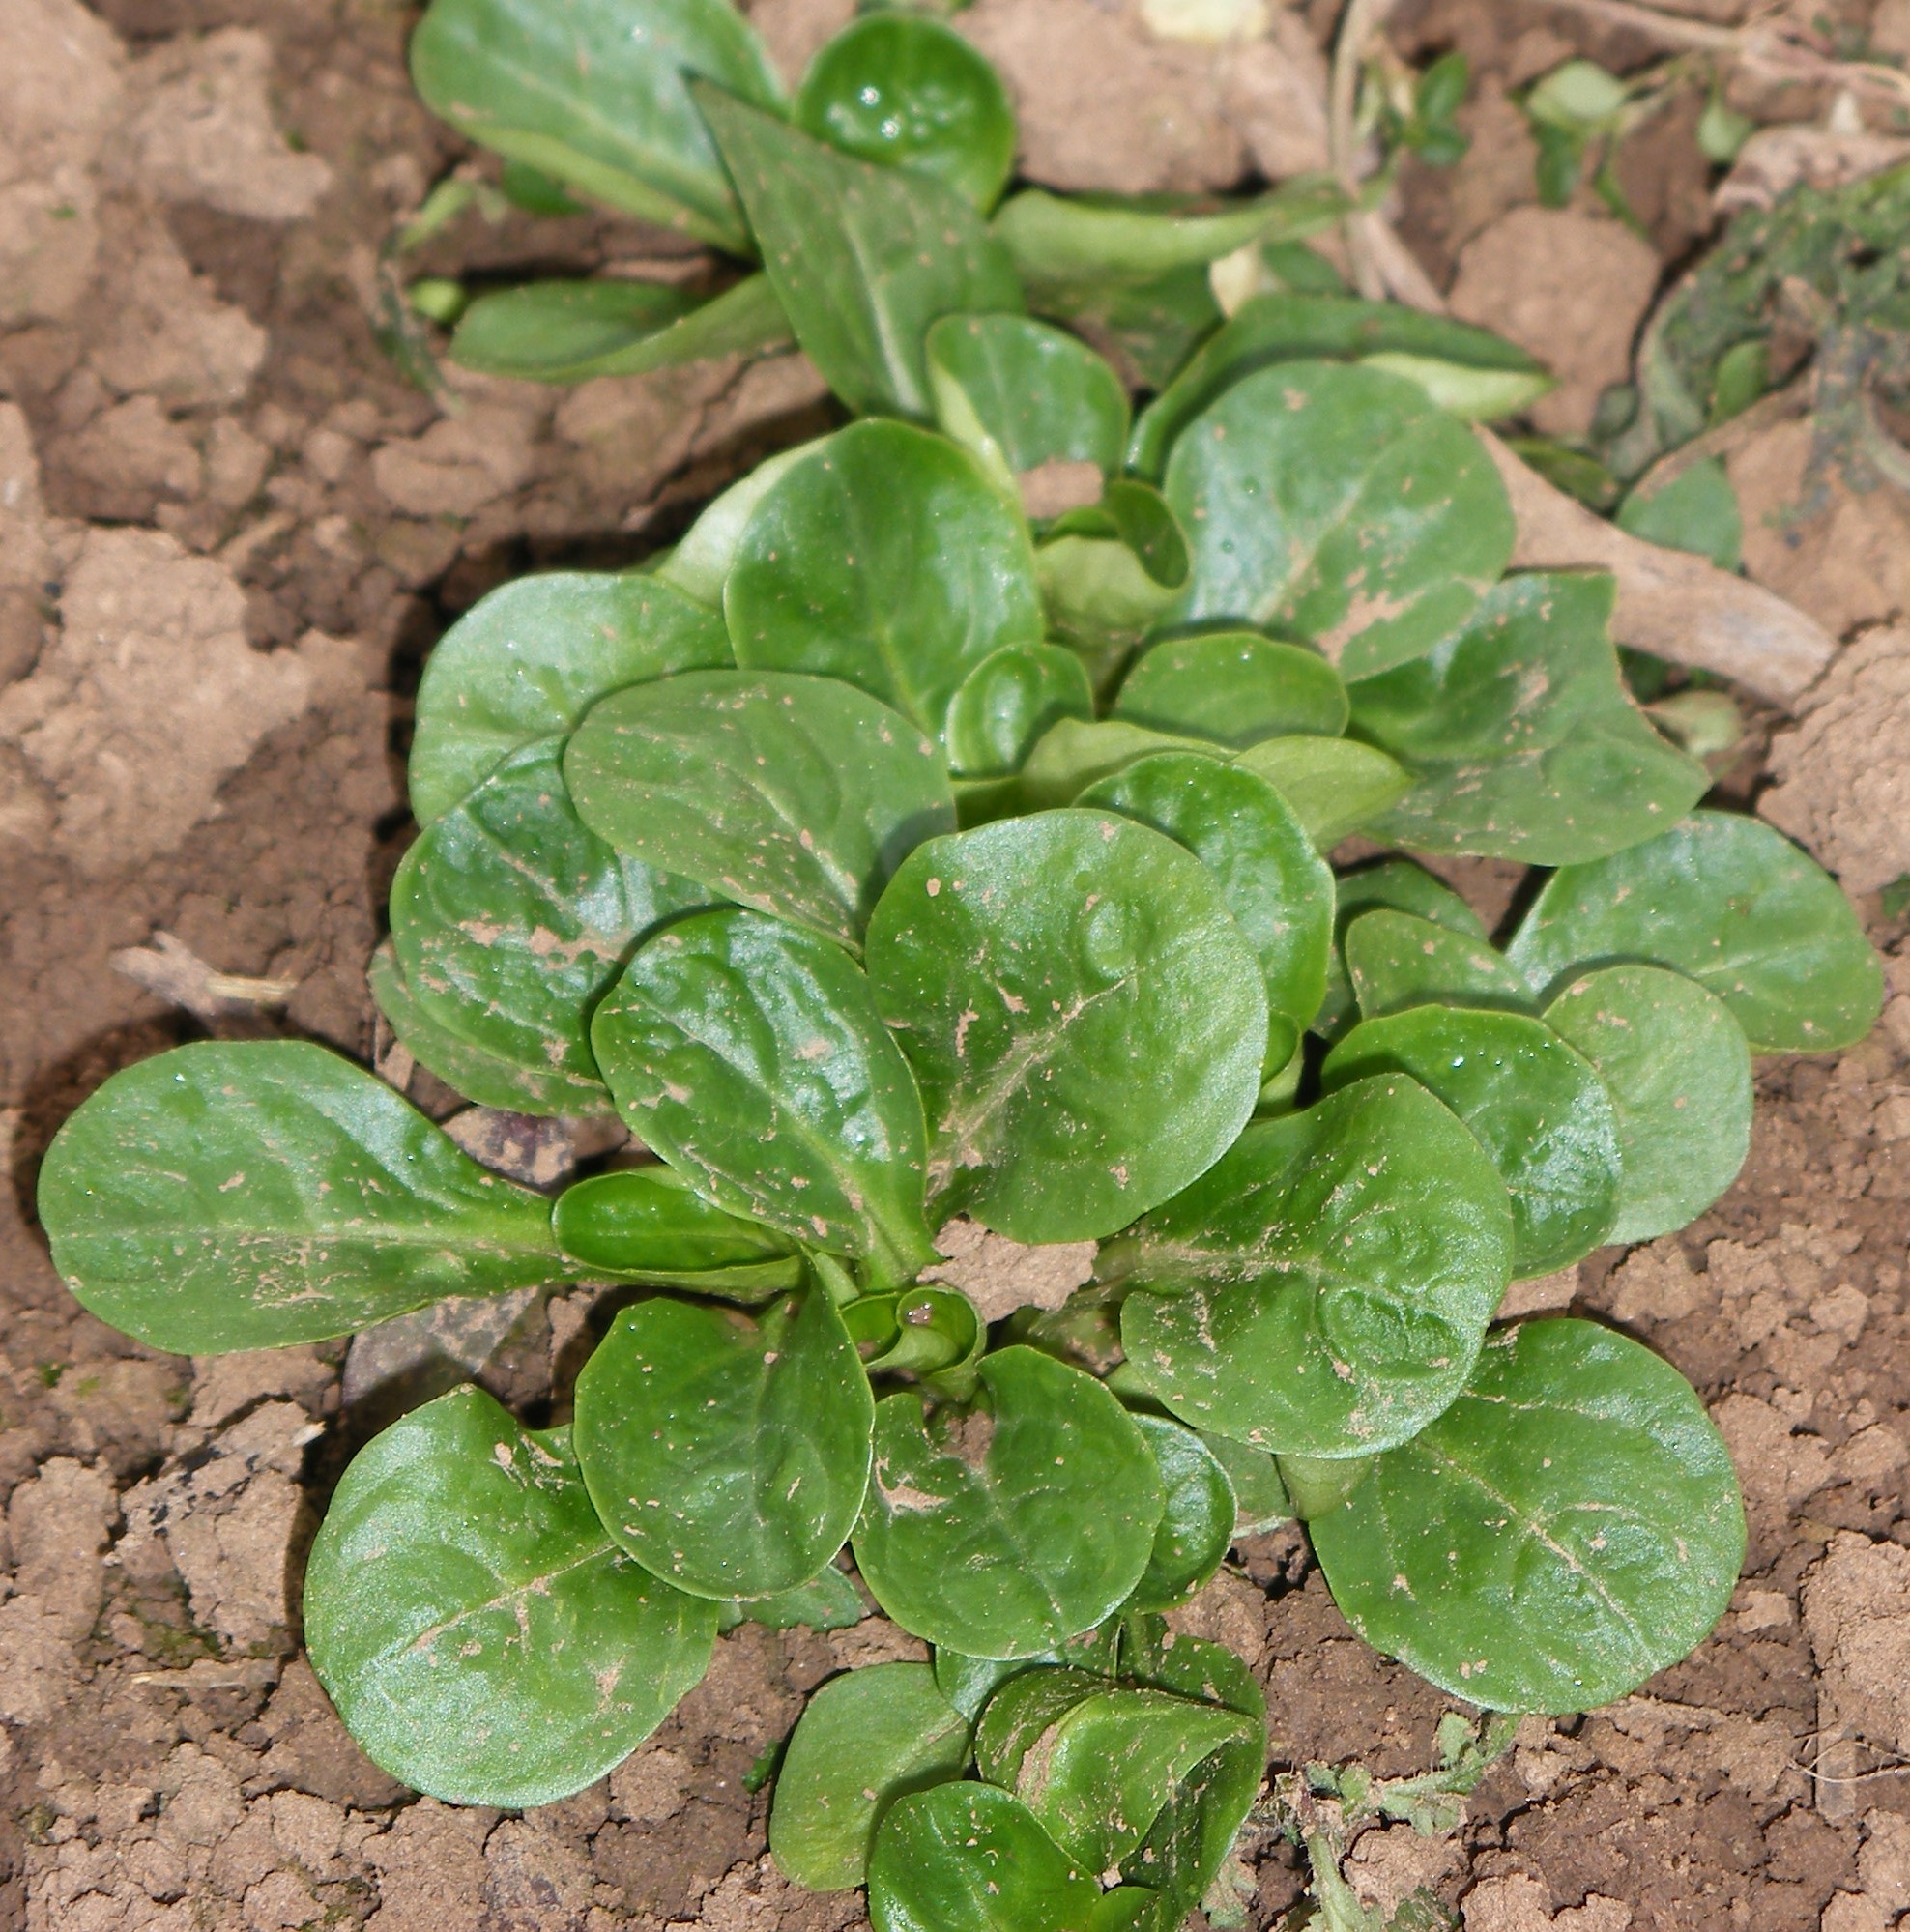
point(1260, 1496)
point(1568, 1527)
point(797, 795)
point(865, 1739)
point(1277, 887)
point(828, 1602)
point(645, 1225)
point(1335, 786)
point(749, 1053)
point(727, 1452)
point(1071, 755)
point(701, 561)
point(1535, 1104)
point(1397, 960)
point(481, 1636)
point(886, 559)
point(908, 92)
point(1108, 571)
point(1339, 503)
point(1197, 1522)
point(1083, 1016)
point(1678, 1071)
point(1736, 906)
point(1006, 1530)
point(1235, 687)
point(969, 1682)
point(249, 1194)
point(1406, 888)
point(527, 662)
point(1324, 1288)
point(1006, 702)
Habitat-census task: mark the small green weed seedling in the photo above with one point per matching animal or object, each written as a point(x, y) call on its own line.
point(1049, 1171)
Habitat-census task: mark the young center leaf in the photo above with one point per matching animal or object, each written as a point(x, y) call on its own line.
point(795, 796)
point(647, 1225)
point(1734, 905)
point(1109, 570)
point(527, 662)
point(1338, 504)
point(1323, 1289)
point(727, 1452)
point(887, 559)
point(1568, 1527)
point(1197, 1519)
point(1335, 786)
point(1002, 708)
point(1233, 686)
point(1073, 753)
point(249, 1194)
point(1396, 959)
point(1006, 1529)
point(1535, 1104)
point(482, 1637)
point(864, 1740)
point(1084, 1015)
point(1404, 886)
point(749, 1053)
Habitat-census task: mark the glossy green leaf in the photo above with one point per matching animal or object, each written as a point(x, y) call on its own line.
point(700, 564)
point(749, 1053)
point(1323, 1289)
point(1341, 504)
point(1697, 511)
point(969, 1682)
point(1407, 888)
point(1396, 959)
point(249, 1194)
point(865, 1739)
point(828, 1602)
point(1678, 1070)
point(1075, 751)
point(1084, 1015)
point(1520, 736)
point(1008, 701)
point(888, 560)
point(1011, 1527)
point(527, 662)
point(1260, 1496)
point(1570, 1526)
point(1108, 569)
point(596, 94)
point(1335, 786)
point(1235, 687)
point(863, 258)
point(1197, 1522)
point(1535, 1104)
point(1277, 887)
point(570, 331)
point(1734, 905)
point(932, 1334)
point(1147, 327)
point(795, 796)
point(481, 1636)
point(645, 1225)
point(727, 1452)
point(909, 92)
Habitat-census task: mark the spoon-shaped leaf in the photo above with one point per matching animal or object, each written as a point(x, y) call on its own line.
point(1735, 906)
point(1407, 888)
point(1084, 1015)
point(1335, 786)
point(1008, 701)
point(1197, 1522)
point(1324, 1288)
point(797, 795)
point(1011, 1528)
point(749, 1053)
point(1568, 1527)
point(727, 1452)
point(1233, 686)
point(645, 1225)
point(481, 1637)
point(1397, 960)
point(249, 1194)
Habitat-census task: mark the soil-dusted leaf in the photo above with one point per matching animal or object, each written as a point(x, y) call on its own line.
point(700, 563)
point(887, 560)
point(1083, 1014)
point(1197, 1522)
point(1339, 503)
point(1568, 1527)
point(1235, 687)
point(1108, 569)
point(1071, 755)
point(1535, 1104)
point(971, 1858)
point(1678, 1070)
point(647, 1225)
point(865, 1739)
point(969, 1682)
point(596, 94)
point(1008, 701)
point(828, 1602)
point(1407, 888)
point(1277, 887)
point(727, 1452)
point(1260, 1496)
point(570, 331)
point(1696, 511)
point(482, 1637)
point(510, 918)
point(1007, 1529)
point(1323, 1289)
point(529, 660)
point(1520, 736)
point(249, 1194)
point(1286, 327)
point(1396, 959)
point(749, 1053)
point(1734, 905)
point(1021, 394)
point(1335, 786)
point(909, 92)
point(863, 258)
point(795, 796)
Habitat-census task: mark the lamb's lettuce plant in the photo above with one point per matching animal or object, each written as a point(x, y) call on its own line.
point(923, 865)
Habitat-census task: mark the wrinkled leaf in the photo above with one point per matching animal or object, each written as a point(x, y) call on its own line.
point(1407, 888)
point(1396, 959)
point(1235, 687)
point(1197, 1522)
point(1335, 786)
point(1008, 701)
point(645, 1225)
